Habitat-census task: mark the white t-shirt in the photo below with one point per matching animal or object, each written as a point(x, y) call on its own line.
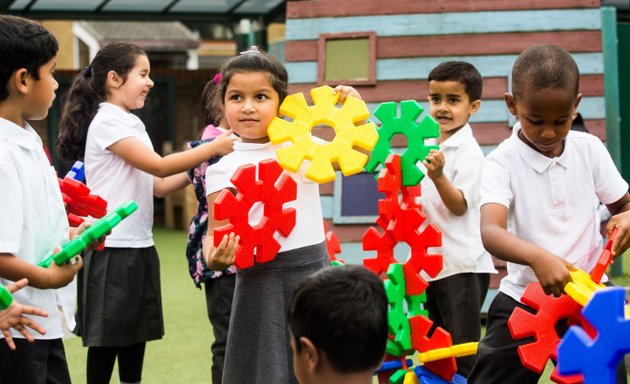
point(309, 227)
point(552, 202)
point(461, 248)
point(32, 221)
point(115, 180)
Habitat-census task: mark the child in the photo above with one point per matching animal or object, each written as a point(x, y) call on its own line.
point(219, 285)
point(543, 181)
point(338, 325)
point(253, 86)
point(450, 199)
point(119, 307)
point(33, 218)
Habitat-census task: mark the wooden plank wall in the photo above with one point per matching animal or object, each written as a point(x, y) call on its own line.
point(414, 36)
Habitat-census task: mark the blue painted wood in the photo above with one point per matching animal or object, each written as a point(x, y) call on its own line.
point(327, 206)
point(353, 253)
point(448, 23)
point(416, 68)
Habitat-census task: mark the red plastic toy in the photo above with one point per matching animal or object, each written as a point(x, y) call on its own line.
point(604, 259)
point(332, 245)
point(273, 189)
point(79, 202)
point(401, 222)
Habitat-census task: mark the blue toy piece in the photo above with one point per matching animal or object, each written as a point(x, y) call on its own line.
point(392, 364)
point(77, 172)
point(427, 377)
point(597, 358)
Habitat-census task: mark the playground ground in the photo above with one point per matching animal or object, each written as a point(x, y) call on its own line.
point(183, 355)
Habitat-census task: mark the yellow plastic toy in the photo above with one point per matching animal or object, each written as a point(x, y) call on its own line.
point(581, 288)
point(321, 156)
point(411, 378)
point(457, 350)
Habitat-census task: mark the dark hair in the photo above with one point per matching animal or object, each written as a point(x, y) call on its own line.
point(255, 60)
point(545, 66)
point(23, 44)
point(343, 311)
point(210, 103)
point(88, 89)
point(462, 72)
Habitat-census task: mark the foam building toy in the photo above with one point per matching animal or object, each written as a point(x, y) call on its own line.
point(77, 172)
point(6, 299)
point(604, 259)
point(427, 377)
point(97, 230)
point(597, 357)
point(407, 125)
point(78, 199)
point(333, 246)
point(401, 222)
point(273, 188)
point(321, 156)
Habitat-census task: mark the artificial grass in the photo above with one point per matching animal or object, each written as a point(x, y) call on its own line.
point(183, 355)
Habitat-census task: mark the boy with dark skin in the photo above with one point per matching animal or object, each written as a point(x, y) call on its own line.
point(546, 181)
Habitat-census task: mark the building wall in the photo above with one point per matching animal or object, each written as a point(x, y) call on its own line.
point(414, 36)
point(62, 29)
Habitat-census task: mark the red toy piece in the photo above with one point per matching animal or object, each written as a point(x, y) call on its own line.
point(332, 245)
point(273, 189)
point(79, 202)
point(420, 326)
point(401, 222)
point(604, 259)
point(542, 326)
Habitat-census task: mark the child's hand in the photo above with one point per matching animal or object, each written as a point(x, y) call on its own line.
point(222, 144)
point(345, 91)
point(434, 162)
point(221, 257)
point(552, 272)
point(61, 275)
point(13, 317)
point(622, 239)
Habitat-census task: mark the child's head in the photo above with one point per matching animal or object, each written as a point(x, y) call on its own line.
point(454, 94)
point(27, 52)
point(545, 96)
point(337, 319)
point(119, 73)
point(253, 85)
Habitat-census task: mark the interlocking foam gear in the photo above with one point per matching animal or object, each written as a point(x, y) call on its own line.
point(597, 358)
point(604, 259)
point(427, 377)
point(420, 327)
point(541, 326)
point(273, 189)
point(333, 246)
point(401, 222)
point(397, 320)
point(457, 350)
point(407, 125)
point(321, 156)
point(581, 287)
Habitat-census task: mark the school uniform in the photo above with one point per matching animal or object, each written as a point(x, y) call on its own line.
point(119, 288)
point(552, 204)
point(258, 335)
point(456, 294)
point(32, 223)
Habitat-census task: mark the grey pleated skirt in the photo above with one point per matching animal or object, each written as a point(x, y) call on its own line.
point(119, 298)
point(258, 347)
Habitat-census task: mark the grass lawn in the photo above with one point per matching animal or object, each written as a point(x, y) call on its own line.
point(183, 355)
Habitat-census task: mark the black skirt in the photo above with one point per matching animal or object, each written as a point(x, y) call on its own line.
point(119, 297)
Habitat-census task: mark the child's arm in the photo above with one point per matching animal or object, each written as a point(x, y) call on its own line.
point(452, 197)
point(221, 257)
point(140, 156)
point(14, 268)
point(620, 219)
point(552, 271)
point(13, 317)
point(167, 185)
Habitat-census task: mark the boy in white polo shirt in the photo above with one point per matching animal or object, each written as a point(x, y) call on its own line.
point(33, 219)
point(539, 195)
point(450, 199)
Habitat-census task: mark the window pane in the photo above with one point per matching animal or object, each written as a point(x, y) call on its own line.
point(347, 59)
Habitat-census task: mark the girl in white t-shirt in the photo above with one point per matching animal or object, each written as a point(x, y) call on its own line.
point(119, 296)
point(252, 87)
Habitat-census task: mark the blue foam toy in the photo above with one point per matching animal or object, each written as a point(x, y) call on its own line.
point(597, 358)
point(392, 364)
point(427, 377)
point(77, 172)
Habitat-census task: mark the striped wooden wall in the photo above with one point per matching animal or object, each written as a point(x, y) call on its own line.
point(413, 36)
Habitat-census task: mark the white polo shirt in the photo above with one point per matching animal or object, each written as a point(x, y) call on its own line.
point(115, 180)
point(552, 202)
point(461, 248)
point(32, 221)
point(309, 227)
